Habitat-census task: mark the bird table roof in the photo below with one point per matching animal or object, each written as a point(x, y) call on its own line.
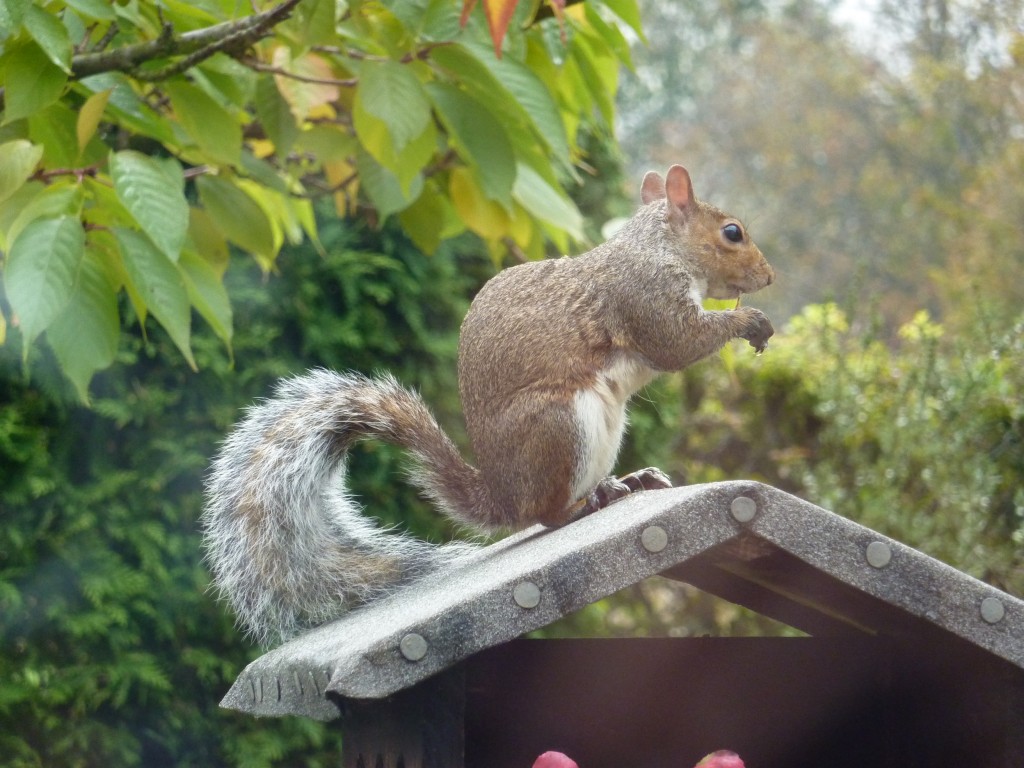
point(744, 541)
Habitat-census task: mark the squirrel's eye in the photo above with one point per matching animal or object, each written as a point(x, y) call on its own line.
point(733, 233)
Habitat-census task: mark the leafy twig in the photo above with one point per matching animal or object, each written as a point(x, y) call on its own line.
point(78, 173)
point(423, 53)
point(196, 170)
point(261, 67)
point(196, 46)
point(108, 36)
point(322, 189)
point(513, 248)
point(420, 54)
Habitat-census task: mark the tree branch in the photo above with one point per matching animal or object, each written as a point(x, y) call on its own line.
point(78, 173)
point(261, 67)
point(196, 45)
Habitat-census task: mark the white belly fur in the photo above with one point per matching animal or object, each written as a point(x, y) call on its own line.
point(601, 420)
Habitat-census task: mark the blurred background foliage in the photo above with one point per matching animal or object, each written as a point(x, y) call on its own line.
point(113, 653)
point(880, 171)
point(878, 158)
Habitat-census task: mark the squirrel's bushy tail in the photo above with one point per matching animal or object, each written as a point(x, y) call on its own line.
point(288, 548)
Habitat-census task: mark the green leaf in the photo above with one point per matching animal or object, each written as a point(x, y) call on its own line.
point(207, 293)
point(430, 219)
point(314, 21)
point(611, 35)
point(47, 30)
point(485, 87)
point(54, 127)
point(575, 93)
point(12, 14)
point(546, 203)
point(208, 240)
point(160, 285)
point(629, 12)
point(281, 209)
point(431, 20)
point(31, 81)
point(107, 248)
point(383, 188)
point(264, 173)
point(154, 194)
point(480, 83)
point(191, 13)
point(42, 267)
point(94, 9)
point(404, 164)
point(415, 157)
point(441, 21)
point(228, 82)
point(275, 116)
point(327, 143)
point(305, 214)
point(275, 209)
point(485, 217)
point(238, 216)
point(126, 106)
point(105, 209)
point(17, 161)
point(599, 74)
point(84, 337)
point(12, 209)
point(213, 128)
point(480, 138)
point(63, 197)
point(528, 90)
point(390, 92)
point(89, 117)
point(409, 13)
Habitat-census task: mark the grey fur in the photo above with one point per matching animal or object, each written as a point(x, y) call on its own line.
point(287, 546)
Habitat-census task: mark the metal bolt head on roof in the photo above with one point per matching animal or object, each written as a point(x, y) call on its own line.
point(654, 538)
point(413, 646)
point(743, 509)
point(878, 554)
point(992, 610)
point(526, 594)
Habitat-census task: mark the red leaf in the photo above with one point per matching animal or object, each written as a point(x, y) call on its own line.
point(499, 14)
point(467, 8)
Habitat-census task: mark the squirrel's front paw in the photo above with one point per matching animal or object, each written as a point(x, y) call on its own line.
point(757, 328)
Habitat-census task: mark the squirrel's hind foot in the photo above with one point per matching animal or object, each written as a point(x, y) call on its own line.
point(611, 489)
point(648, 479)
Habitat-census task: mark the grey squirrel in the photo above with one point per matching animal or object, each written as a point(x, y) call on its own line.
point(549, 354)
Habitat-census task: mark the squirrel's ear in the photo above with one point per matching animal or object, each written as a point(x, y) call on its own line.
point(653, 188)
point(678, 188)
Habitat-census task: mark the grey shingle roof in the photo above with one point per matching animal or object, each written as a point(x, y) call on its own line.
point(744, 541)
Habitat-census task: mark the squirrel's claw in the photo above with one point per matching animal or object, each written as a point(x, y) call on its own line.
point(611, 489)
point(759, 330)
point(649, 479)
point(606, 492)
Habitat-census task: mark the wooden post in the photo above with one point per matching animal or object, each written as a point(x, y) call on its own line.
point(420, 727)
